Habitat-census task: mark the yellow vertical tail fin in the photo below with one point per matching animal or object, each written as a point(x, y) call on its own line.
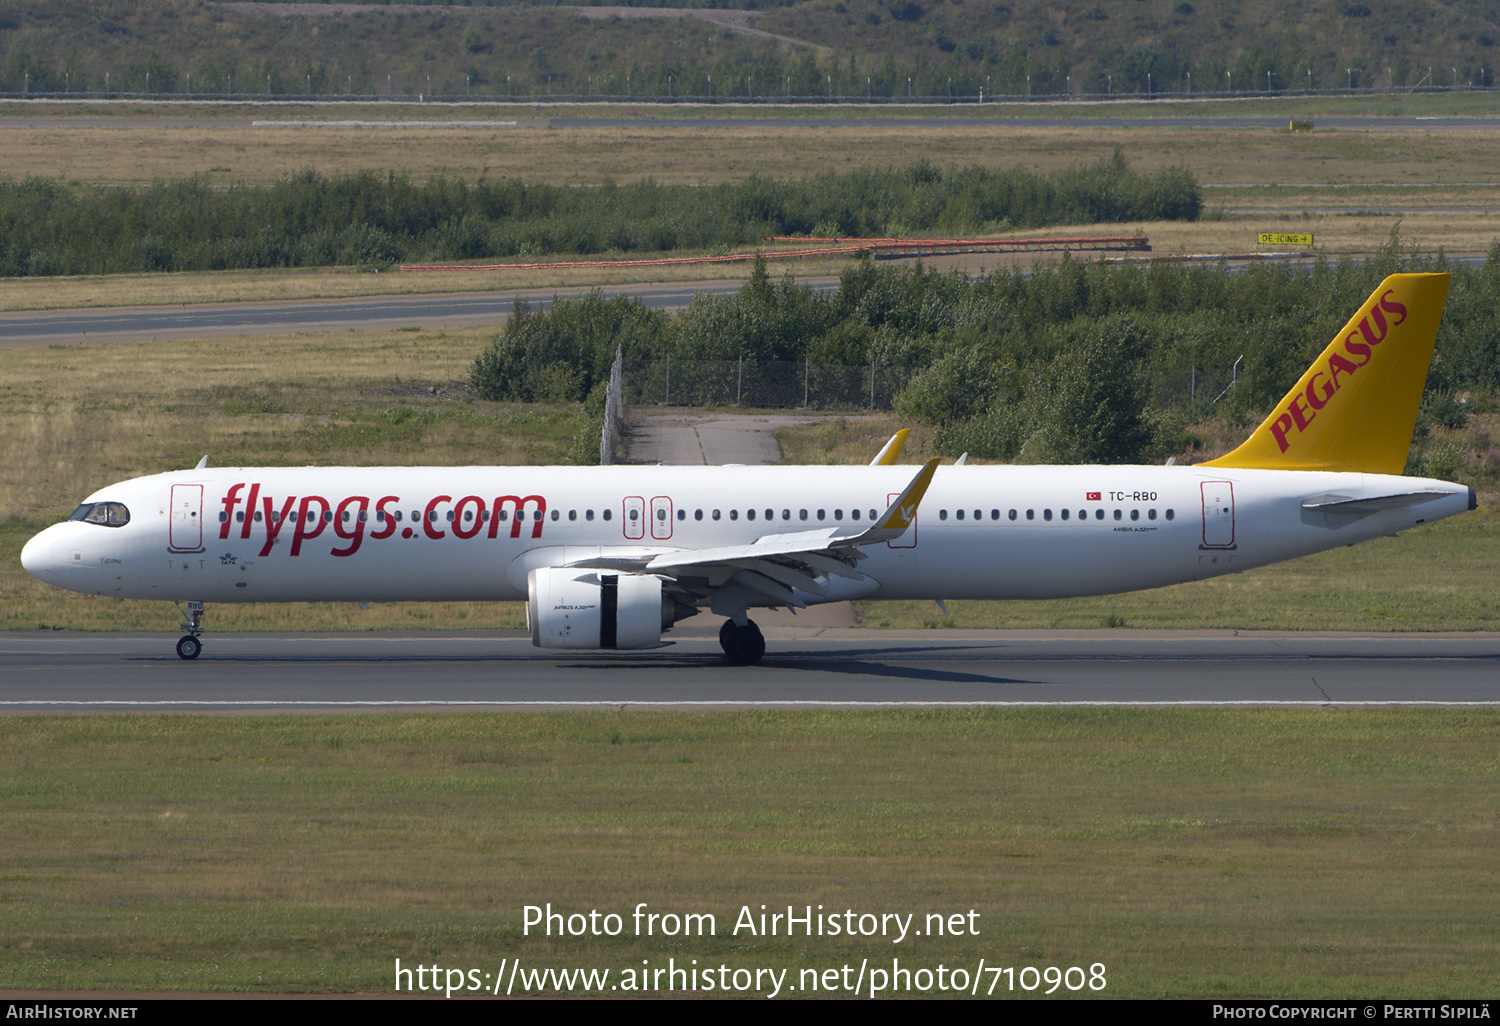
point(1356, 406)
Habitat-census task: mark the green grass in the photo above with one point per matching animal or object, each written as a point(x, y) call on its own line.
point(1225, 853)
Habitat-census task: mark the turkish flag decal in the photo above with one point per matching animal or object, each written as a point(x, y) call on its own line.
point(1092, 497)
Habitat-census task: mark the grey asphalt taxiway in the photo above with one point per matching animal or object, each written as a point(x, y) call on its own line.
point(273, 317)
point(60, 671)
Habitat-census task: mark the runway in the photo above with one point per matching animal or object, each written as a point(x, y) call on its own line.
point(51, 672)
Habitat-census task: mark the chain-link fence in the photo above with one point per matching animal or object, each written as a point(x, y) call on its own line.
point(614, 411)
point(1195, 384)
point(764, 383)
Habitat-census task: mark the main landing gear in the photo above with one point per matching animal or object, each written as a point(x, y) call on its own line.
point(188, 646)
point(742, 645)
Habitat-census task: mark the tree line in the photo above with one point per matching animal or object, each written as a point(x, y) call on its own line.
point(1080, 363)
point(373, 220)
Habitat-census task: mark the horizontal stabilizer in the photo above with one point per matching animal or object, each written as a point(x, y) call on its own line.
point(1370, 503)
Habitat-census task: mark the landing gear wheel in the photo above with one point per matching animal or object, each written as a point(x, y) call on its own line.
point(188, 647)
point(742, 645)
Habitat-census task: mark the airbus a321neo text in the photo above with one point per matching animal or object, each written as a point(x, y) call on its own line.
point(612, 557)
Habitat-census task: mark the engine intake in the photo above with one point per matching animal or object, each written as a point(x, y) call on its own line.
point(586, 609)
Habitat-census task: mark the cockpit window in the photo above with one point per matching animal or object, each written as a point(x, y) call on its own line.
point(110, 514)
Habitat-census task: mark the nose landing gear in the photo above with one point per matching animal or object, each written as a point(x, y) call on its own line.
point(189, 646)
point(742, 646)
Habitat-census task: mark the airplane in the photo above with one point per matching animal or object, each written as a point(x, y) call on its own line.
point(611, 557)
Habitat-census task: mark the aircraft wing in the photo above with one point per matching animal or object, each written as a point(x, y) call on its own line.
point(775, 564)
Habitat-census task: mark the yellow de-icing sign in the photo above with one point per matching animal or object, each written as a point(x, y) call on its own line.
point(1301, 126)
point(1283, 239)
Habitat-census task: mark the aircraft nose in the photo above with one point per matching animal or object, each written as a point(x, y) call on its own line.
point(36, 556)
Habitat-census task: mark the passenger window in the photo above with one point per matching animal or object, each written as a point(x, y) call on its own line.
point(258, 516)
point(697, 514)
point(959, 514)
point(682, 514)
point(1013, 514)
point(715, 514)
point(398, 516)
point(1065, 514)
point(979, 514)
point(502, 515)
point(1150, 514)
point(661, 514)
point(635, 514)
point(555, 515)
point(1171, 515)
point(854, 514)
point(328, 516)
point(572, 515)
point(608, 514)
point(364, 516)
point(588, 515)
point(838, 514)
point(771, 514)
point(734, 514)
point(1083, 514)
point(942, 514)
point(822, 514)
point(1118, 514)
point(450, 516)
point(537, 514)
point(239, 517)
point(802, 514)
point(873, 514)
point(1031, 514)
point(1135, 514)
point(1046, 514)
point(749, 514)
point(1098, 514)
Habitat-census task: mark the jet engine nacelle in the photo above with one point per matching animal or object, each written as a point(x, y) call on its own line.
point(587, 609)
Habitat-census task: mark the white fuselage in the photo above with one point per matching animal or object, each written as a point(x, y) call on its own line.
point(1001, 532)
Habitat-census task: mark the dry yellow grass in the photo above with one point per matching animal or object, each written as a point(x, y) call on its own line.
point(233, 152)
point(340, 283)
point(77, 418)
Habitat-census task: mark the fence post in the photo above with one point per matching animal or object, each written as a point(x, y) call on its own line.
point(667, 399)
point(739, 385)
point(872, 383)
point(806, 380)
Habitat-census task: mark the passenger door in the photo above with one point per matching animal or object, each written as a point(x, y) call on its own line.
point(185, 528)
